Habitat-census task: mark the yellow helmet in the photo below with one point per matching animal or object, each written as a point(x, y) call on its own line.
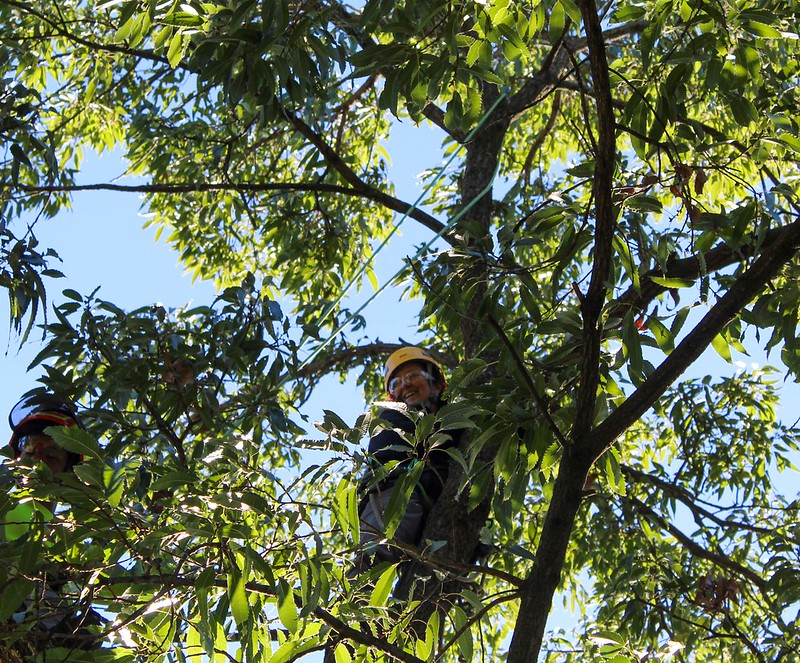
point(405, 355)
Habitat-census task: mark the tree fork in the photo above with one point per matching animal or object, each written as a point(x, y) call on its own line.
point(541, 585)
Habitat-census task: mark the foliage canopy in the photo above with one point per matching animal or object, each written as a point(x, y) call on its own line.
point(622, 194)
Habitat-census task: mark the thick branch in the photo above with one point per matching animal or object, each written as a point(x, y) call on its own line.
point(543, 581)
point(605, 221)
point(540, 585)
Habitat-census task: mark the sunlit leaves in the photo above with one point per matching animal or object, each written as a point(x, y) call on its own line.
point(383, 587)
point(237, 595)
point(345, 509)
point(287, 610)
point(260, 129)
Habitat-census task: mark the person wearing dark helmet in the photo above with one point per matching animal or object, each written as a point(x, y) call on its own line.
point(28, 420)
point(57, 622)
point(30, 444)
point(416, 381)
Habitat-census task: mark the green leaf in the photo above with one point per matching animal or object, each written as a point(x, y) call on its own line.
point(628, 263)
point(287, 608)
point(632, 345)
point(373, 280)
point(672, 282)
point(663, 336)
point(744, 112)
point(125, 30)
point(237, 595)
point(114, 483)
point(762, 30)
point(175, 479)
point(345, 509)
point(183, 19)
point(572, 10)
point(790, 141)
point(75, 440)
point(383, 587)
point(585, 169)
point(175, 50)
point(720, 344)
point(14, 594)
point(20, 155)
point(401, 493)
point(557, 18)
point(342, 654)
point(474, 52)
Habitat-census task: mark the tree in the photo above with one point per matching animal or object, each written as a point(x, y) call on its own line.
point(622, 195)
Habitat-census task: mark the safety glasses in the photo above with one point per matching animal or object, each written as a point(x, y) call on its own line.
point(398, 383)
point(41, 447)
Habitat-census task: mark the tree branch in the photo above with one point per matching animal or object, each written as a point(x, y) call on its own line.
point(744, 289)
point(527, 381)
point(27, 8)
point(363, 191)
point(552, 72)
point(542, 83)
point(605, 222)
point(348, 25)
point(719, 559)
point(166, 581)
point(541, 584)
point(360, 187)
point(690, 501)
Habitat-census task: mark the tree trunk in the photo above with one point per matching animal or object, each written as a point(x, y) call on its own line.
point(450, 520)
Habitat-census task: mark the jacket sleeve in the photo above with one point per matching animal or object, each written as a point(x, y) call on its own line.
point(387, 444)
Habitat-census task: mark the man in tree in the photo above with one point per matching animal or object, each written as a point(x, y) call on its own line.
point(58, 623)
point(403, 462)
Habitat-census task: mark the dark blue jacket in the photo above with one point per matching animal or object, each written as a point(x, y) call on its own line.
point(387, 445)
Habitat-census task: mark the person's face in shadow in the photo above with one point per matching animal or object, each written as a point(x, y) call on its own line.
point(42, 448)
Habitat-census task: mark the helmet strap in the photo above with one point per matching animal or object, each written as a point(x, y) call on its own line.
point(435, 399)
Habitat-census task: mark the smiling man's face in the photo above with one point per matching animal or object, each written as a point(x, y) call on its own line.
point(413, 385)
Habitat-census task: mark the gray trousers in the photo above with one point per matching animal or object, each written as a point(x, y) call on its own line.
point(372, 528)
